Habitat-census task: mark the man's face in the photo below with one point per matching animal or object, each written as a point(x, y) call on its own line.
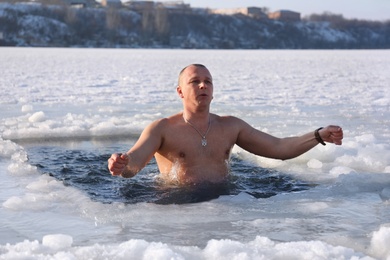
point(196, 84)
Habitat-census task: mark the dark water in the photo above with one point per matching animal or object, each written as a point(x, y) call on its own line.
point(86, 170)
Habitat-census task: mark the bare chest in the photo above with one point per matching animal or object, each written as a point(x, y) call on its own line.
point(185, 143)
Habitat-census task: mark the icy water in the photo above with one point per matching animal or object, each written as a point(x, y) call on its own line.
point(64, 111)
point(86, 169)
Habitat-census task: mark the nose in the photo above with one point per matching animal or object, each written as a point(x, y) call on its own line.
point(202, 85)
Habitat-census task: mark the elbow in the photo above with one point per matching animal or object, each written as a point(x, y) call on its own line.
point(276, 156)
point(288, 155)
point(282, 157)
point(285, 158)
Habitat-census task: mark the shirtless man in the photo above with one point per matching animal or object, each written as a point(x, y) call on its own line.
point(194, 146)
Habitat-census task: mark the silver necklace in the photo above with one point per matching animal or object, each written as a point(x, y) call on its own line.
point(204, 140)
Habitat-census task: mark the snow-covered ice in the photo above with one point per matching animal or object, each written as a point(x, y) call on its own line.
point(67, 96)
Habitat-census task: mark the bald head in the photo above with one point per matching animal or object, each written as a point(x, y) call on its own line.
point(191, 65)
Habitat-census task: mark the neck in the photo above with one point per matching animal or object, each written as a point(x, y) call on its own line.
point(199, 115)
point(200, 118)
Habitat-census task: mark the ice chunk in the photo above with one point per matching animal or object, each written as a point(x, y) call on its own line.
point(57, 241)
point(314, 164)
point(13, 203)
point(380, 243)
point(385, 194)
point(338, 170)
point(366, 139)
point(27, 108)
point(37, 117)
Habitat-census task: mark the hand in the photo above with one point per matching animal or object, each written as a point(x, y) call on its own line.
point(332, 134)
point(117, 163)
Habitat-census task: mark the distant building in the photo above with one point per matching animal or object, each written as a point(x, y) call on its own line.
point(112, 3)
point(171, 7)
point(139, 6)
point(285, 16)
point(176, 7)
point(72, 3)
point(254, 12)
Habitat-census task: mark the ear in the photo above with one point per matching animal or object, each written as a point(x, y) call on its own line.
point(178, 90)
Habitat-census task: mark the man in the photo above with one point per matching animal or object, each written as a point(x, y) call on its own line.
point(194, 146)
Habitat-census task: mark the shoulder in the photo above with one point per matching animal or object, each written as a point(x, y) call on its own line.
point(163, 123)
point(230, 121)
point(232, 124)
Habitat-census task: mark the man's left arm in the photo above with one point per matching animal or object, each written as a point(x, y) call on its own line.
point(266, 145)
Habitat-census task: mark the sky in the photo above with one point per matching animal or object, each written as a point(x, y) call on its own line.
point(377, 10)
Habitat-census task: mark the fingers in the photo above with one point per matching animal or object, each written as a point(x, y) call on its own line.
point(337, 137)
point(333, 134)
point(117, 163)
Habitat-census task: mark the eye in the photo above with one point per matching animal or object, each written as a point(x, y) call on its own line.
point(195, 81)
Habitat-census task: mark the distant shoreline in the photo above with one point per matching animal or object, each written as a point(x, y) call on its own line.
point(39, 25)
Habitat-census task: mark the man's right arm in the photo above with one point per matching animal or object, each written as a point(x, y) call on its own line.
point(129, 164)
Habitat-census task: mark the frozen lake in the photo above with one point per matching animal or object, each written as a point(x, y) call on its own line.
point(64, 111)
